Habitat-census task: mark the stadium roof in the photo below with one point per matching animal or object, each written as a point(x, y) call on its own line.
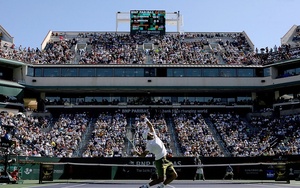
point(10, 63)
point(10, 84)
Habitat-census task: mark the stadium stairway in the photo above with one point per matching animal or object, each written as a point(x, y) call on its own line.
point(85, 139)
point(129, 136)
point(174, 141)
point(149, 59)
point(217, 137)
point(49, 125)
point(146, 48)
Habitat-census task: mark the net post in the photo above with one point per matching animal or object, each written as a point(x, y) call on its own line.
point(114, 170)
point(288, 176)
point(40, 174)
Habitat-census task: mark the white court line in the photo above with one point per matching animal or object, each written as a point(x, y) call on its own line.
point(274, 186)
point(171, 186)
point(73, 186)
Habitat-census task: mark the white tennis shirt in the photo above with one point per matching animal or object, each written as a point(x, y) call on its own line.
point(157, 147)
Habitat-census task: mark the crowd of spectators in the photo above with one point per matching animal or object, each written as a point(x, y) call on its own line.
point(69, 135)
point(108, 137)
point(281, 53)
point(44, 137)
point(261, 136)
point(115, 48)
point(194, 136)
point(55, 53)
point(285, 130)
point(237, 136)
point(111, 48)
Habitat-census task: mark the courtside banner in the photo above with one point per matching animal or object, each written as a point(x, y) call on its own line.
point(293, 171)
point(280, 173)
point(46, 172)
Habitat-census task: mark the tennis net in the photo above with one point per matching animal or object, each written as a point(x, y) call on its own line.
point(247, 172)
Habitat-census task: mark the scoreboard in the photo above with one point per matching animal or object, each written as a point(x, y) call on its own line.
point(148, 22)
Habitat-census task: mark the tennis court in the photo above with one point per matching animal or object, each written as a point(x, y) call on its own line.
point(138, 183)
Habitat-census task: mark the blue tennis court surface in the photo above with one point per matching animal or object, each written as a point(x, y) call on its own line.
point(175, 184)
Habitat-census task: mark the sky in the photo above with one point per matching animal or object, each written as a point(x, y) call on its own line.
point(264, 21)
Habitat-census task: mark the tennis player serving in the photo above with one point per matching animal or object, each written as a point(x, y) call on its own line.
point(165, 169)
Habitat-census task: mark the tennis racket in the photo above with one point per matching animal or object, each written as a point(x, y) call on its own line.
point(132, 141)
